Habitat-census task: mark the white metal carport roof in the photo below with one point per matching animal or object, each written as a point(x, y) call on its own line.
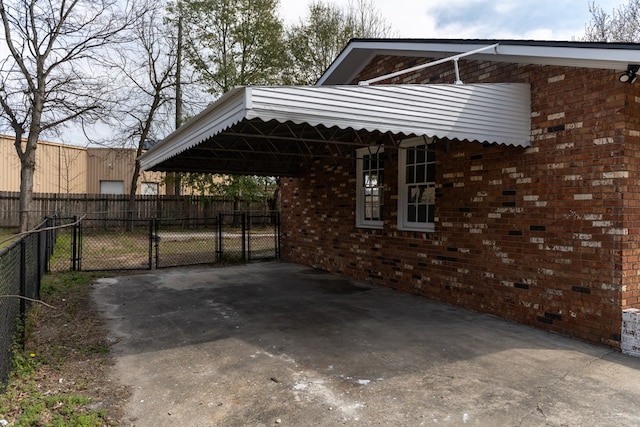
point(277, 130)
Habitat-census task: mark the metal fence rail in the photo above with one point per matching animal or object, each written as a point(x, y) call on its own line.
point(22, 265)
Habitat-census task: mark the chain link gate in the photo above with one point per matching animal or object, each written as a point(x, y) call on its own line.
point(95, 244)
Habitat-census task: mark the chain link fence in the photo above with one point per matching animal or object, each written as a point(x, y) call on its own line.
point(91, 244)
point(22, 265)
point(185, 241)
point(96, 244)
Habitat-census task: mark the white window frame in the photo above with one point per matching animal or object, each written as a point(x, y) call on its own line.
point(149, 188)
point(361, 222)
point(403, 189)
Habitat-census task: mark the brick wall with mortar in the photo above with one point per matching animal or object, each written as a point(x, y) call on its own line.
point(544, 235)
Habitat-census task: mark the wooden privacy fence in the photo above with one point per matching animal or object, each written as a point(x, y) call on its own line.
point(116, 206)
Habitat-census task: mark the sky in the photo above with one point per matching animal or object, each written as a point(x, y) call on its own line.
point(476, 19)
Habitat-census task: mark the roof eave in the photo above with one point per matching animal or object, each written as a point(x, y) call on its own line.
point(359, 52)
point(187, 134)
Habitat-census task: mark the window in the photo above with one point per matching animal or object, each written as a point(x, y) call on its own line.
point(111, 187)
point(149, 189)
point(416, 185)
point(370, 184)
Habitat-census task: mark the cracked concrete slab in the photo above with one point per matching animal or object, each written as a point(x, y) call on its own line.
point(283, 344)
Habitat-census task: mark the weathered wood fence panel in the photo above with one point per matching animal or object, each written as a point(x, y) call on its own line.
point(115, 206)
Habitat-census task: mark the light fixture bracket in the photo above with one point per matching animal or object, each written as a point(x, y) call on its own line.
point(630, 75)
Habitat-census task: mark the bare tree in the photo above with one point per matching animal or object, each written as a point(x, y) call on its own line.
point(49, 77)
point(622, 25)
point(147, 66)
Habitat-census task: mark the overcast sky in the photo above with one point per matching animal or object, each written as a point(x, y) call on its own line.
point(500, 19)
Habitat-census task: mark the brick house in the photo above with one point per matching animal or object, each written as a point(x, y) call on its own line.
point(499, 176)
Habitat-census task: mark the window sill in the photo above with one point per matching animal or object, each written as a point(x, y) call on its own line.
point(427, 228)
point(374, 226)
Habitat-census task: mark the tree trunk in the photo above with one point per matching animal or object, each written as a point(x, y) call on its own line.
point(27, 170)
point(236, 213)
point(131, 205)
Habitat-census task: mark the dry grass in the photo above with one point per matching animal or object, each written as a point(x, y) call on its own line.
point(61, 377)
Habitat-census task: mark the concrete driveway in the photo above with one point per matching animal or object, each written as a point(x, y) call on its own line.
point(282, 344)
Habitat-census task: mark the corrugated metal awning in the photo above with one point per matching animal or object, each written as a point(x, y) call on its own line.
point(277, 130)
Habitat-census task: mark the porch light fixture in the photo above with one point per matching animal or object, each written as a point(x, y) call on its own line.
point(630, 75)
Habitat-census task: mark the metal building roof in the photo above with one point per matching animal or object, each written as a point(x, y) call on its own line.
point(277, 130)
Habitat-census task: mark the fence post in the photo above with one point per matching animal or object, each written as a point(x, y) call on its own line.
point(219, 242)
point(152, 239)
point(276, 230)
point(47, 245)
point(74, 243)
point(23, 290)
point(79, 243)
point(244, 235)
point(40, 261)
point(248, 222)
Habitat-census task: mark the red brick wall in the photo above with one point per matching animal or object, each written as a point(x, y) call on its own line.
point(631, 201)
point(545, 236)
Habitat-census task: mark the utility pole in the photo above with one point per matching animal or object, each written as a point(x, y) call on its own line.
point(177, 184)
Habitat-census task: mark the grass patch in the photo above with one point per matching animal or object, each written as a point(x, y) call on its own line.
point(61, 378)
point(6, 235)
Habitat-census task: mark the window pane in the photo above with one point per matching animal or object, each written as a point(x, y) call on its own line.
point(411, 156)
point(420, 173)
point(411, 213)
point(370, 181)
point(420, 157)
point(410, 174)
point(422, 213)
point(432, 209)
point(413, 195)
point(366, 162)
point(430, 195)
